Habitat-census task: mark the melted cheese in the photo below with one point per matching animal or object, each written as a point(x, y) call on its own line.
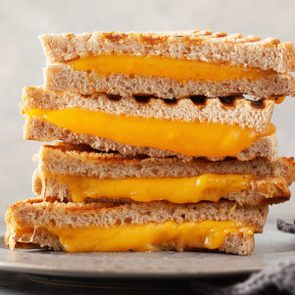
point(187, 235)
point(279, 99)
point(207, 187)
point(187, 138)
point(178, 69)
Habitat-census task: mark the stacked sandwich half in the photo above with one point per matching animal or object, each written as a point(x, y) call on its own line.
point(158, 141)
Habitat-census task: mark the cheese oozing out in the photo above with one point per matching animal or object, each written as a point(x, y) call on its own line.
point(188, 138)
point(149, 237)
point(207, 187)
point(159, 66)
point(279, 99)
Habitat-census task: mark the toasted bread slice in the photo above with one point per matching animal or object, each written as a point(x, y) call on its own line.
point(225, 110)
point(61, 77)
point(268, 181)
point(82, 160)
point(31, 223)
point(248, 51)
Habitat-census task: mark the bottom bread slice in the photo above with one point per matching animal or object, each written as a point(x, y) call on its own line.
point(38, 129)
point(81, 227)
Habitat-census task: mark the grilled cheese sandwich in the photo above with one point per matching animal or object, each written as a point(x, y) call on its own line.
point(188, 63)
point(83, 227)
point(79, 175)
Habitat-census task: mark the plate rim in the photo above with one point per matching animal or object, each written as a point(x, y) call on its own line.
point(48, 271)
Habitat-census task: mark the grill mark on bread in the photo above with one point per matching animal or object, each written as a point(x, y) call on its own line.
point(259, 104)
point(143, 98)
point(114, 97)
point(198, 99)
point(228, 101)
point(170, 101)
point(194, 35)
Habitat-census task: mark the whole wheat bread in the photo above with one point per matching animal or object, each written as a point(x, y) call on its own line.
point(70, 159)
point(61, 77)
point(37, 214)
point(229, 110)
point(248, 51)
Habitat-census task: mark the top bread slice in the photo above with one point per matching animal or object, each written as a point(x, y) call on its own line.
point(68, 159)
point(271, 58)
point(248, 51)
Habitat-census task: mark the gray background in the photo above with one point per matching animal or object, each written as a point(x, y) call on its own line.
point(22, 59)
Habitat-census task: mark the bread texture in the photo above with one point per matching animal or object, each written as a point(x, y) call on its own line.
point(204, 45)
point(226, 110)
point(269, 186)
point(37, 214)
point(38, 129)
point(82, 160)
point(61, 77)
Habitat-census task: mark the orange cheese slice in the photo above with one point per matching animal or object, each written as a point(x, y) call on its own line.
point(207, 187)
point(157, 66)
point(147, 237)
point(187, 138)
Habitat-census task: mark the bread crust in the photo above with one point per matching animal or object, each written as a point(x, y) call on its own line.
point(61, 77)
point(235, 49)
point(231, 110)
point(38, 129)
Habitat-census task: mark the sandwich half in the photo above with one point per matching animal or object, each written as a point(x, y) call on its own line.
point(169, 65)
point(104, 227)
point(214, 128)
point(79, 174)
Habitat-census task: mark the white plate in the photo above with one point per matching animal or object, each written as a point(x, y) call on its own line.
point(270, 248)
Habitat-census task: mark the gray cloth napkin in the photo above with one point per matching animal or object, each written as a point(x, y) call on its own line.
point(275, 280)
